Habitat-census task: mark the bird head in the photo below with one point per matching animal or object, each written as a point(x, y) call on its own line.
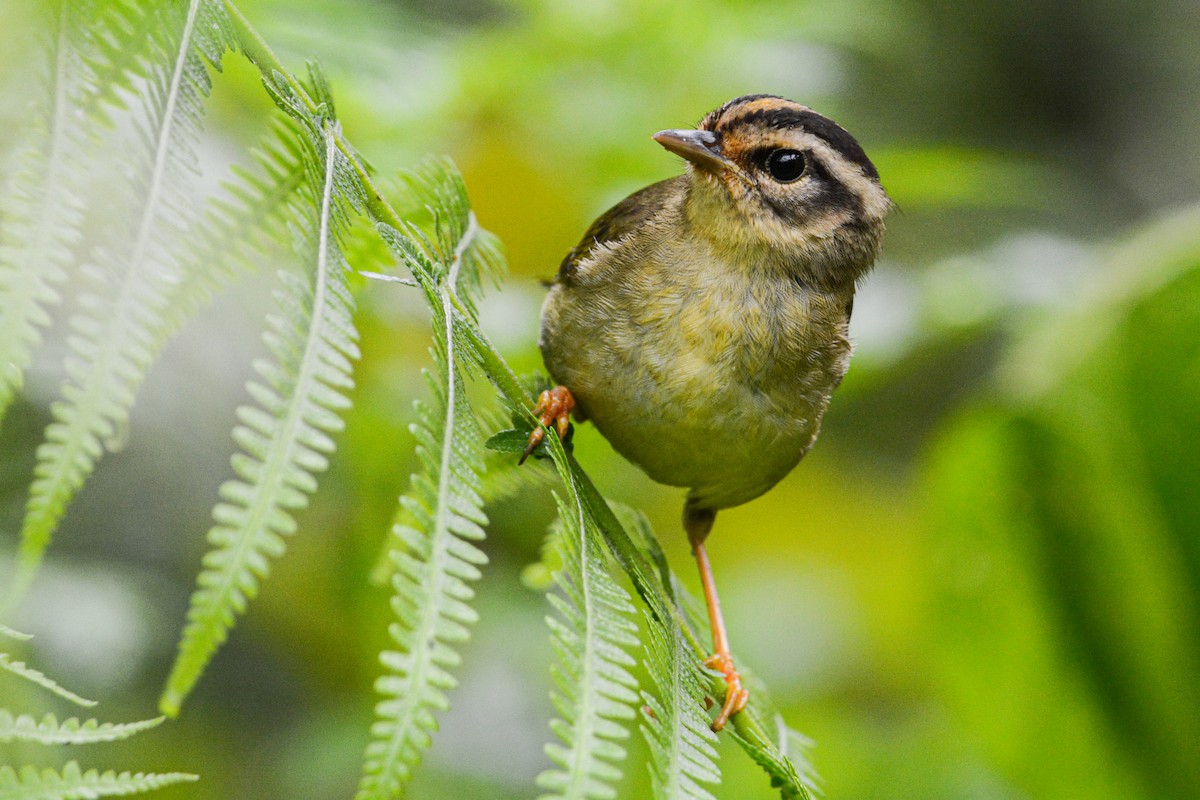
point(771, 175)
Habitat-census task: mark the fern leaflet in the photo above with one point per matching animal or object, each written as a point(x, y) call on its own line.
point(13, 634)
point(41, 206)
point(237, 227)
point(591, 640)
point(50, 731)
point(286, 438)
point(72, 783)
point(19, 669)
point(676, 726)
point(112, 346)
point(431, 544)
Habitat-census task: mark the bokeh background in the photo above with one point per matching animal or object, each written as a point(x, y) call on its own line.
point(984, 582)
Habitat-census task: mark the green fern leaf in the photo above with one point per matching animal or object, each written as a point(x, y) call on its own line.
point(784, 760)
point(72, 783)
point(241, 223)
point(795, 747)
point(431, 544)
point(596, 689)
point(19, 669)
point(13, 634)
point(127, 282)
point(676, 726)
point(50, 731)
point(286, 439)
point(120, 42)
point(662, 593)
point(592, 638)
point(41, 207)
point(682, 744)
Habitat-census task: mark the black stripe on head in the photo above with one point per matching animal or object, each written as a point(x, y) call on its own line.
point(787, 117)
point(833, 194)
point(712, 118)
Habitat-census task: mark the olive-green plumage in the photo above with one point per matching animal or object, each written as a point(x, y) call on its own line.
point(701, 323)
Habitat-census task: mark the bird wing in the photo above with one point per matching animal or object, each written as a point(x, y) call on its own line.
point(618, 221)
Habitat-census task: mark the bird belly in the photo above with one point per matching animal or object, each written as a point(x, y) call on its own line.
point(720, 392)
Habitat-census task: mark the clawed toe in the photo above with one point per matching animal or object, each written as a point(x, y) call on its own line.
point(736, 695)
point(553, 406)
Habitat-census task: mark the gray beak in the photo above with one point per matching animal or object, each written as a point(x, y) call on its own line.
point(699, 147)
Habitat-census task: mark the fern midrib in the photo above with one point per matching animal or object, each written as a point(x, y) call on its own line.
point(437, 557)
point(53, 162)
point(280, 456)
point(13, 335)
point(584, 731)
point(678, 724)
point(162, 145)
point(71, 460)
point(50, 731)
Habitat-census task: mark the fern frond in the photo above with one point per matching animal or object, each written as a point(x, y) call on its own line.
point(287, 438)
point(682, 744)
point(128, 282)
point(75, 784)
point(50, 731)
point(41, 207)
point(14, 634)
point(30, 674)
point(598, 691)
point(431, 545)
point(434, 559)
point(676, 727)
point(596, 688)
point(121, 40)
point(239, 226)
point(662, 593)
point(785, 761)
point(795, 747)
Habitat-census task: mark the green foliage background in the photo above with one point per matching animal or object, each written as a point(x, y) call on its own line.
point(985, 580)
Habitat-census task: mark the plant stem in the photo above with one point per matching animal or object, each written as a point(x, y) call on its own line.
point(256, 49)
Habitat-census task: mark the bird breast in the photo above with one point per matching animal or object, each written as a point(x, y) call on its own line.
point(707, 374)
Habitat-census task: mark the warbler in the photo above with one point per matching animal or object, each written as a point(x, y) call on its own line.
point(702, 323)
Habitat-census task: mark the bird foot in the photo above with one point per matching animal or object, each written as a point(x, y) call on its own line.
point(736, 695)
point(554, 406)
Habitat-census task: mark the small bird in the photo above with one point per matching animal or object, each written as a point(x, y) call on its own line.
point(702, 322)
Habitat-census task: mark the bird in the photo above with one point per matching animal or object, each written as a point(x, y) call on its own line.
point(702, 323)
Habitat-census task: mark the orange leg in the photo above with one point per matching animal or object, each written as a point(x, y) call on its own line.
point(698, 523)
point(554, 406)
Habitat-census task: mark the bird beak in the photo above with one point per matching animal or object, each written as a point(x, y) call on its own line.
point(699, 147)
point(702, 149)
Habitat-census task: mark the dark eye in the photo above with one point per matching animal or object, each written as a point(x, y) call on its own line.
point(786, 166)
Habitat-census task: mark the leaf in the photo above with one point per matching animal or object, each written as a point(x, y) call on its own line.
point(675, 723)
point(748, 726)
point(72, 783)
point(42, 206)
point(441, 515)
point(596, 690)
point(12, 634)
point(19, 669)
point(286, 439)
point(591, 638)
point(50, 731)
point(510, 441)
point(127, 281)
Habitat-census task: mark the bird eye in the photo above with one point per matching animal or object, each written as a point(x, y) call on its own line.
point(786, 166)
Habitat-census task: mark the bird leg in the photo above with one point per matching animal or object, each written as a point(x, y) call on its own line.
point(554, 406)
point(698, 523)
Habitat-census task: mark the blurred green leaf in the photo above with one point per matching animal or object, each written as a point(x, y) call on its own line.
point(1065, 520)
